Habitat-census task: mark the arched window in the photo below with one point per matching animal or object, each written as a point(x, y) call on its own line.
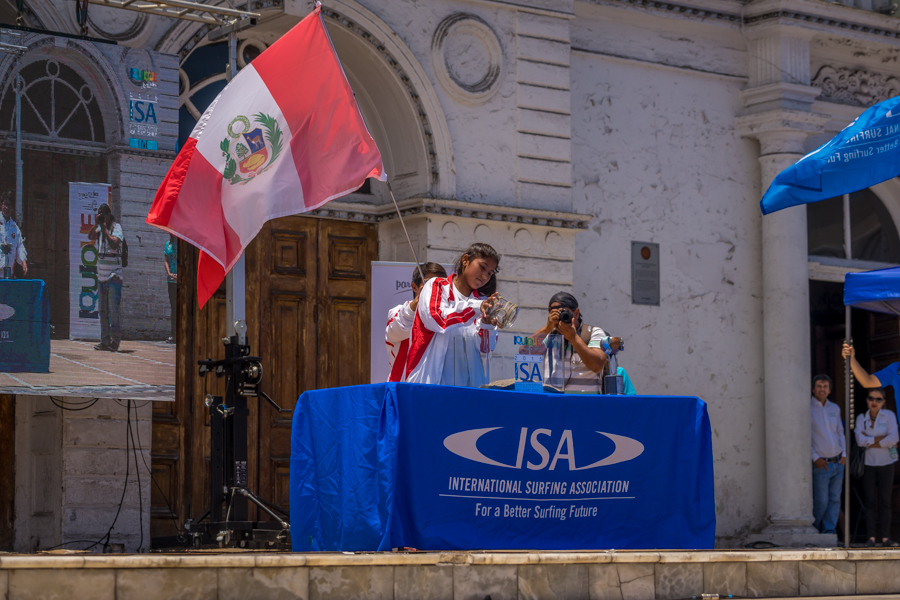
point(56, 102)
point(873, 233)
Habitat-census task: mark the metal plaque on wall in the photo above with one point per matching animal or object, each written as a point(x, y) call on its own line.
point(644, 273)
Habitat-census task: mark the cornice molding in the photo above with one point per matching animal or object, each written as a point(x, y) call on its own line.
point(370, 213)
point(822, 16)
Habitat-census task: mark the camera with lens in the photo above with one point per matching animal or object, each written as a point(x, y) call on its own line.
point(565, 315)
point(103, 218)
point(5, 248)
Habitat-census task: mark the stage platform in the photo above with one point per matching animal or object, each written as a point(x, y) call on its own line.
point(597, 575)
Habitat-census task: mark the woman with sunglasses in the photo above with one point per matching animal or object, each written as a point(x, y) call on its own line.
point(876, 431)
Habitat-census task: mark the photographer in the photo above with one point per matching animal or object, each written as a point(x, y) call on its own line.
point(12, 245)
point(584, 346)
point(109, 274)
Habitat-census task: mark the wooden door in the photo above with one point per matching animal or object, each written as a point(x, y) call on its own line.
point(308, 285)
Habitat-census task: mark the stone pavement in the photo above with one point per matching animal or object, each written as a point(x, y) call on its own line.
point(139, 370)
point(600, 575)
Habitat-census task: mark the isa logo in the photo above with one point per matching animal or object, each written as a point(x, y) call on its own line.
point(528, 373)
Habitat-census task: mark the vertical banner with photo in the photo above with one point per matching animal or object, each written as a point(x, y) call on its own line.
point(84, 199)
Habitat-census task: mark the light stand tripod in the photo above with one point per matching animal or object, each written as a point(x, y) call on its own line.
point(228, 525)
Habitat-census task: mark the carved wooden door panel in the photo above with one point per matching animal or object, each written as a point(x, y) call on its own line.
point(285, 275)
point(346, 252)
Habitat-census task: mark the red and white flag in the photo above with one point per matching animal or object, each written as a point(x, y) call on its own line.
point(285, 136)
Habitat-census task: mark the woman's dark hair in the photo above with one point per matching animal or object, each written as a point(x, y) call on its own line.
point(480, 250)
point(880, 390)
point(429, 268)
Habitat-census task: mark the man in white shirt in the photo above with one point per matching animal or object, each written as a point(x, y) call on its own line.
point(12, 245)
point(828, 456)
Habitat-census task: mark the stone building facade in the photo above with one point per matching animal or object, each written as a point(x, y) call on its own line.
point(561, 131)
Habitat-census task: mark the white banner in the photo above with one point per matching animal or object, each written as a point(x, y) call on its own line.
point(84, 318)
point(391, 285)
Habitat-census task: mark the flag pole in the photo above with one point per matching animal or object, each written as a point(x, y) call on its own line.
point(387, 181)
point(235, 280)
point(409, 241)
point(848, 383)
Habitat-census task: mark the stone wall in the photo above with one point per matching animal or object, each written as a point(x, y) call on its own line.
point(657, 159)
point(71, 469)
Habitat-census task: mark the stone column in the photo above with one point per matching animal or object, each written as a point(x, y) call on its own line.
point(778, 114)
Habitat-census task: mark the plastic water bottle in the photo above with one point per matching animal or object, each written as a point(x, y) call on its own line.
point(893, 452)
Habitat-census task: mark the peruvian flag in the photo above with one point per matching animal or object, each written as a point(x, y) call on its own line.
point(285, 136)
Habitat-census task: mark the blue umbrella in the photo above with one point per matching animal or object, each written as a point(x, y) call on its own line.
point(864, 154)
point(878, 291)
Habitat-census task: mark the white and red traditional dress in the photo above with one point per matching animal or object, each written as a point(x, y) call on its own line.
point(449, 340)
point(396, 338)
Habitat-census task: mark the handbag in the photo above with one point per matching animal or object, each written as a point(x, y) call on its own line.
point(857, 461)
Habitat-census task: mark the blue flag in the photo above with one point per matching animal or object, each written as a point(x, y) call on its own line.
point(864, 154)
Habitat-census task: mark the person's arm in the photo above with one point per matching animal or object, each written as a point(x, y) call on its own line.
point(22, 255)
point(594, 359)
point(892, 436)
point(94, 233)
point(549, 326)
point(839, 430)
point(113, 240)
point(435, 310)
point(863, 440)
point(399, 324)
point(817, 460)
point(864, 379)
point(168, 270)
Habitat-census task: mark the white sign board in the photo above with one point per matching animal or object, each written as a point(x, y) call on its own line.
point(84, 317)
point(391, 285)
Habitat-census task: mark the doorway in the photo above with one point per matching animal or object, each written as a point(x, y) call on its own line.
point(877, 342)
point(308, 307)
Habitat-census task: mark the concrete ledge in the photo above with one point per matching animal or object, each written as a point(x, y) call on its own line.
point(601, 575)
point(512, 558)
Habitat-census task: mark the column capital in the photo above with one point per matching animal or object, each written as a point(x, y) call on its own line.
point(781, 95)
point(781, 131)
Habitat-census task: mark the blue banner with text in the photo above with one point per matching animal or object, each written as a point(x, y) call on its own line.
point(445, 468)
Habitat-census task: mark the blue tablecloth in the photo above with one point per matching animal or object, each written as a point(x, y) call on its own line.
point(382, 466)
point(24, 326)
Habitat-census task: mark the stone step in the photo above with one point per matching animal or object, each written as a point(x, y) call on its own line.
point(623, 575)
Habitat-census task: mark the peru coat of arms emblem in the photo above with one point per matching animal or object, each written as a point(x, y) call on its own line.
point(251, 148)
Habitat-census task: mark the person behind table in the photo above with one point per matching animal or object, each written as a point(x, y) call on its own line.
point(828, 456)
point(451, 308)
point(12, 244)
point(876, 431)
point(400, 321)
point(109, 275)
point(582, 349)
point(888, 376)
